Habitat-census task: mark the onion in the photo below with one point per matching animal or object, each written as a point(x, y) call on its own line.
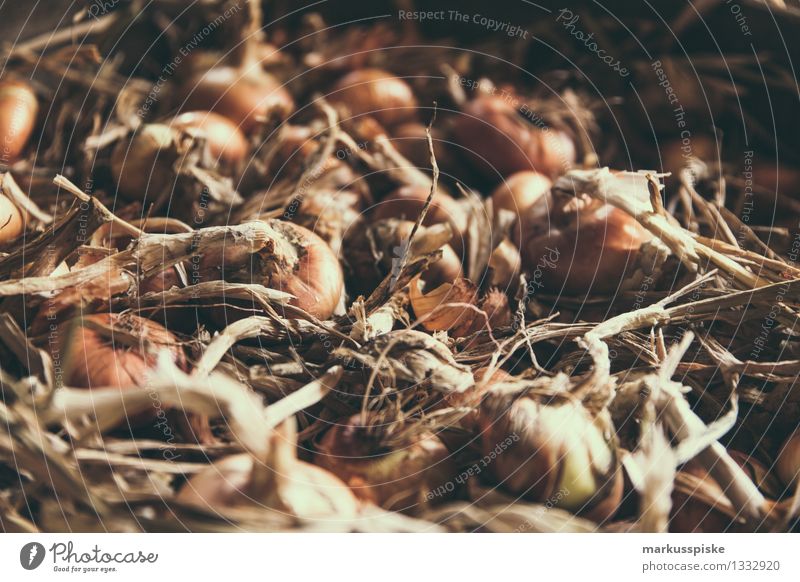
point(500, 140)
point(142, 166)
point(239, 89)
point(108, 350)
point(285, 484)
point(12, 222)
point(399, 478)
point(520, 191)
point(787, 465)
point(577, 250)
point(244, 94)
point(407, 203)
point(554, 452)
point(374, 92)
point(699, 505)
point(374, 251)
point(296, 261)
point(18, 109)
point(226, 142)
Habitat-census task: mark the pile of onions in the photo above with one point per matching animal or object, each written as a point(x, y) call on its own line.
point(377, 93)
point(18, 110)
point(280, 483)
point(578, 246)
point(557, 454)
point(399, 478)
point(502, 141)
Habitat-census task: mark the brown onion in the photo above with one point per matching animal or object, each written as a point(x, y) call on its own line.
point(553, 453)
point(374, 92)
point(520, 191)
point(699, 504)
point(399, 479)
point(142, 166)
point(110, 350)
point(569, 250)
point(226, 142)
point(407, 202)
point(501, 140)
point(295, 261)
point(18, 109)
point(246, 95)
point(237, 86)
point(12, 222)
point(375, 251)
point(97, 359)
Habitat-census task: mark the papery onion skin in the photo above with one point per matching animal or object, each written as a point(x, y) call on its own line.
point(378, 93)
point(18, 110)
point(226, 142)
point(399, 480)
point(573, 253)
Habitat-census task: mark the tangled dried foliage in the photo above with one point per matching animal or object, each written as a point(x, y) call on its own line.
point(425, 398)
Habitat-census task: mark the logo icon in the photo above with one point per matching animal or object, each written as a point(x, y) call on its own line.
point(31, 555)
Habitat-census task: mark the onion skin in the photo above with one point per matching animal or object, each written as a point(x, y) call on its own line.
point(12, 223)
point(245, 95)
point(226, 142)
point(398, 480)
point(407, 203)
point(575, 252)
point(494, 131)
point(18, 110)
point(378, 93)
